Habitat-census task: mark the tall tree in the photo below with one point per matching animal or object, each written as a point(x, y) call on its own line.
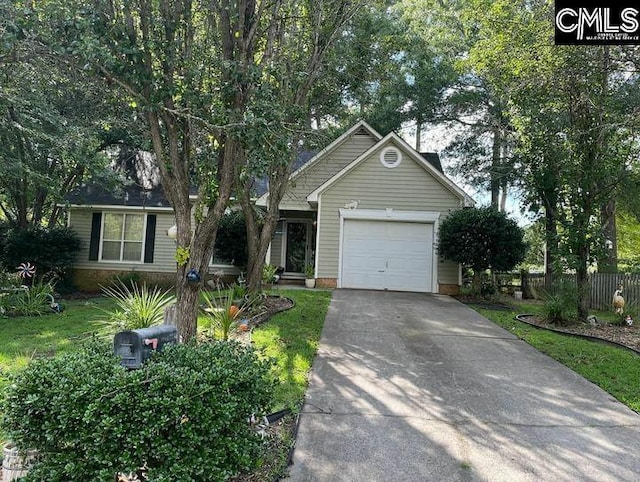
point(573, 141)
point(194, 71)
point(483, 149)
point(281, 111)
point(53, 121)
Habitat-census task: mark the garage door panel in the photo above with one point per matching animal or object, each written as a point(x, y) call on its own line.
point(387, 255)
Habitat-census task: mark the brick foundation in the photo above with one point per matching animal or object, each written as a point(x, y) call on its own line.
point(90, 280)
point(326, 282)
point(450, 290)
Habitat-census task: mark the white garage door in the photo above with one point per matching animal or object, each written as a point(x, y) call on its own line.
point(387, 255)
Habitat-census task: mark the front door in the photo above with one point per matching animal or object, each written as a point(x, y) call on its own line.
point(299, 250)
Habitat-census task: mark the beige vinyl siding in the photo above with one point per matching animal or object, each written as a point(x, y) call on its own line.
point(408, 187)
point(163, 260)
point(448, 272)
point(315, 175)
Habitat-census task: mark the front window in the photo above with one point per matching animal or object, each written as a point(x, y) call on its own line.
point(122, 237)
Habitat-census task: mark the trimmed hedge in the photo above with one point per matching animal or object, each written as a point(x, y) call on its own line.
point(183, 416)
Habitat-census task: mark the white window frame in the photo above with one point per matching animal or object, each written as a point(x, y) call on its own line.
point(122, 240)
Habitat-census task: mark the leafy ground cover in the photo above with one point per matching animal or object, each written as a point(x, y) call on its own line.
point(615, 370)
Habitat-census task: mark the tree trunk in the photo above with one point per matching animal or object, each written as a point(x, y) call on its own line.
point(187, 295)
point(494, 181)
point(550, 247)
point(584, 292)
point(418, 136)
point(259, 237)
point(476, 281)
point(609, 263)
point(503, 196)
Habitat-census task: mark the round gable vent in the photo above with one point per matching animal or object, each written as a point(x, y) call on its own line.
point(390, 157)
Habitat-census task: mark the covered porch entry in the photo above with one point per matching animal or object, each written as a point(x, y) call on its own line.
point(293, 245)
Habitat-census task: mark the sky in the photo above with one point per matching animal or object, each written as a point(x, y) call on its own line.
point(435, 138)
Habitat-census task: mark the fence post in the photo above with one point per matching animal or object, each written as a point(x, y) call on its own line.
point(524, 283)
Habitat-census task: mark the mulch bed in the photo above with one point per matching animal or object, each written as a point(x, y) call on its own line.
point(269, 307)
point(628, 336)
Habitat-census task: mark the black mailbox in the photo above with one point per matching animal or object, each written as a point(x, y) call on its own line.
point(134, 347)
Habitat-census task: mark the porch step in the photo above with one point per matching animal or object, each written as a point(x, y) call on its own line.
point(291, 282)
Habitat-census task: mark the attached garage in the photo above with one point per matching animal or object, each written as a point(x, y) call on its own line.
point(386, 250)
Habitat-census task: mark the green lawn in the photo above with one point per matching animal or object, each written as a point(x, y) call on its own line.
point(292, 337)
point(24, 338)
point(615, 370)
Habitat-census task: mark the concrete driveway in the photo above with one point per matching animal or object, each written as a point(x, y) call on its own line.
point(413, 387)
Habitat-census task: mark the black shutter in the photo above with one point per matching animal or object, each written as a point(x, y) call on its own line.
point(150, 238)
point(94, 243)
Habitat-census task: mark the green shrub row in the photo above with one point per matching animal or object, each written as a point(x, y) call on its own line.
point(183, 416)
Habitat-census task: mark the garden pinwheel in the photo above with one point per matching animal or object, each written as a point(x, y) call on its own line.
point(26, 270)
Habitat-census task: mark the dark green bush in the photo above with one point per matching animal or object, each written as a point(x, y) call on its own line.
point(51, 250)
point(183, 416)
point(481, 238)
point(231, 241)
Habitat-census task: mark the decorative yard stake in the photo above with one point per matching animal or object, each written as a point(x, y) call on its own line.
point(26, 270)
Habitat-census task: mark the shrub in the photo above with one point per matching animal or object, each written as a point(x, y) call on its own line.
point(481, 238)
point(269, 273)
point(35, 301)
point(10, 280)
point(51, 250)
point(183, 415)
point(136, 307)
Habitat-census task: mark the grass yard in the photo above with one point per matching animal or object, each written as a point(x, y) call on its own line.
point(615, 370)
point(290, 337)
point(23, 338)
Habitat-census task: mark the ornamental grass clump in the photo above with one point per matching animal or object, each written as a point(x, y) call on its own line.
point(36, 300)
point(136, 306)
point(182, 416)
point(559, 307)
point(223, 312)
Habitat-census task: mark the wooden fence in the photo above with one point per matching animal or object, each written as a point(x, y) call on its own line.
point(602, 288)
